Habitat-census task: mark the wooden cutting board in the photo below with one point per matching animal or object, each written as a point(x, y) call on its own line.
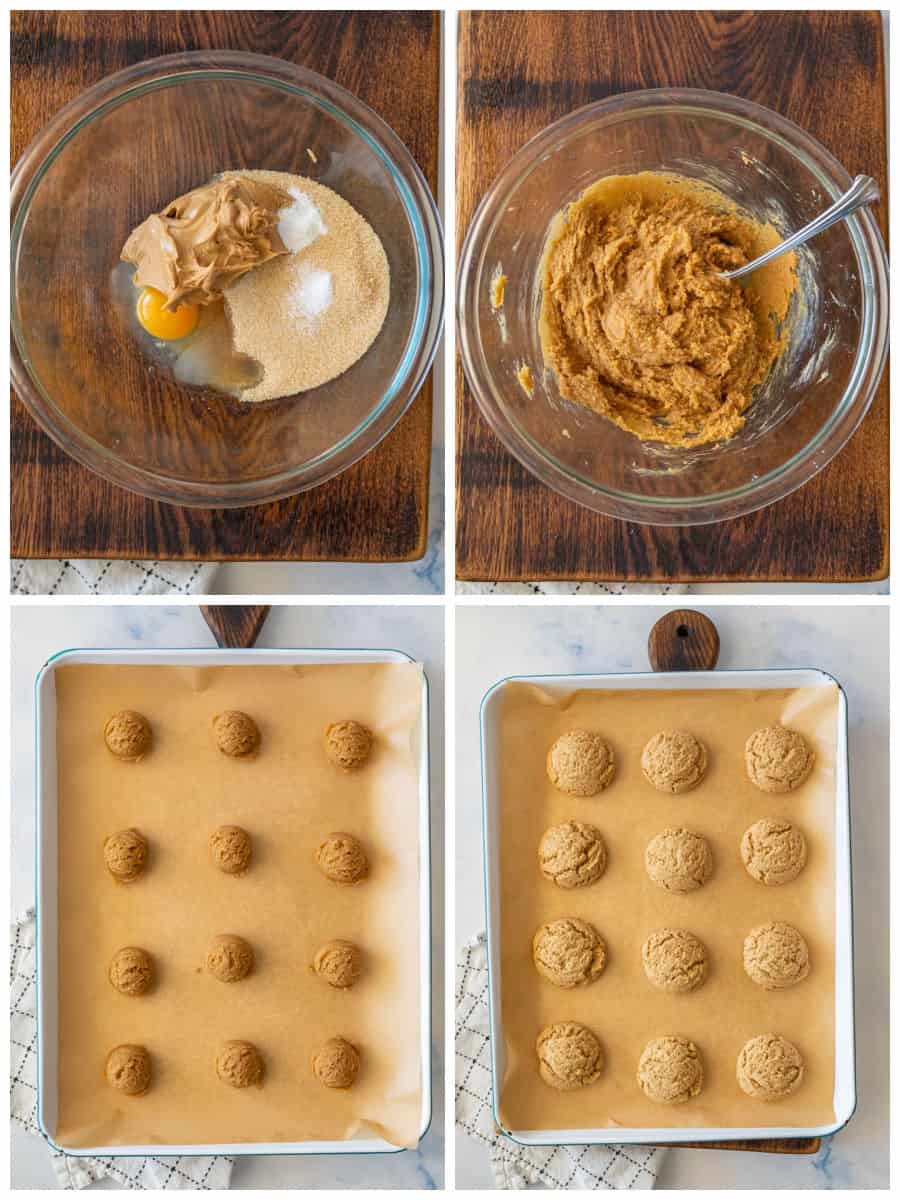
point(518, 72)
point(374, 512)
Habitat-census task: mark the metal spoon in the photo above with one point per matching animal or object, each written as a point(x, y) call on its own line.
point(863, 190)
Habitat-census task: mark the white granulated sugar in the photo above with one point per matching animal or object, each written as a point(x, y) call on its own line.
point(311, 292)
point(300, 223)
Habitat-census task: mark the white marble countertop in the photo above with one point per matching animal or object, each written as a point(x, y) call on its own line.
point(39, 632)
point(851, 643)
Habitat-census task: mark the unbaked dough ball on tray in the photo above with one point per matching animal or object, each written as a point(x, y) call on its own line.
point(348, 744)
point(131, 971)
point(336, 1063)
point(128, 1069)
point(342, 859)
point(239, 1064)
point(338, 963)
point(231, 849)
point(236, 733)
point(128, 735)
point(125, 854)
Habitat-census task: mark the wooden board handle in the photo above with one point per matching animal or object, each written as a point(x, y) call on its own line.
point(235, 626)
point(683, 640)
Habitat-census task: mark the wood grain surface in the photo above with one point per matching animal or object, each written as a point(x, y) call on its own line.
point(375, 511)
point(683, 640)
point(520, 71)
point(235, 626)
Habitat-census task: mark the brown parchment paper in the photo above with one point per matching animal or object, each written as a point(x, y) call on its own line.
point(289, 798)
point(621, 1006)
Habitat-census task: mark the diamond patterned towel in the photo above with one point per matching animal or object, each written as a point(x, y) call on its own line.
point(202, 1173)
point(108, 577)
point(516, 1166)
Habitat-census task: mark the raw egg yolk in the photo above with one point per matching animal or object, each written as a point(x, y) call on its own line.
point(160, 322)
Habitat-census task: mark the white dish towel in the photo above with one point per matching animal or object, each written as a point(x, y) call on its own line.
point(108, 577)
point(203, 1173)
point(516, 1166)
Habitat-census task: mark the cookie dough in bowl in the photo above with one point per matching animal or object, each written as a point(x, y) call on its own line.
point(230, 958)
point(236, 734)
point(776, 955)
point(674, 761)
point(570, 1056)
point(131, 971)
point(348, 744)
point(778, 759)
point(125, 854)
point(675, 960)
point(581, 763)
point(569, 952)
point(336, 1063)
point(679, 860)
point(769, 1067)
point(339, 963)
point(231, 849)
point(670, 1070)
point(129, 1070)
point(128, 735)
point(342, 859)
point(572, 854)
point(239, 1064)
point(773, 851)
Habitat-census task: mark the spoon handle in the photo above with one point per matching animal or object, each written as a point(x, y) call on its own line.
point(863, 190)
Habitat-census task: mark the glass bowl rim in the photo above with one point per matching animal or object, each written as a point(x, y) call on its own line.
point(420, 209)
point(868, 247)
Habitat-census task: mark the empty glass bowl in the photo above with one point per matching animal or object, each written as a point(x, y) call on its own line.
point(822, 383)
point(122, 150)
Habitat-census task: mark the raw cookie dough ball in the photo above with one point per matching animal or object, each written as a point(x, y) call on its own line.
point(230, 848)
point(336, 1063)
point(674, 761)
point(236, 734)
point(769, 1067)
point(674, 960)
point(678, 860)
point(229, 958)
point(128, 1069)
point(778, 759)
point(348, 744)
point(569, 1056)
point(128, 735)
point(131, 971)
point(568, 952)
point(342, 858)
point(239, 1064)
point(572, 854)
point(125, 854)
point(776, 955)
point(339, 963)
point(773, 851)
point(580, 763)
point(670, 1070)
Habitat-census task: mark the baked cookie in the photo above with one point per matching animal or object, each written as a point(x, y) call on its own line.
point(776, 955)
point(769, 1067)
point(125, 854)
point(128, 735)
point(229, 958)
point(674, 761)
point(572, 854)
point(670, 1070)
point(339, 963)
point(336, 1063)
point(580, 763)
point(569, 1056)
point(236, 734)
point(239, 1064)
point(678, 860)
point(131, 971)
point(231, 849)
point(348, 744)
point(128, 1069)
point(674, 960)
point(773, 851)
point(778, 759)
point(342, 859)
point(568, 952)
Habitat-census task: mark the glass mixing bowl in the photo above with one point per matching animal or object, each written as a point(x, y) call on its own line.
point(122, 150)
point(822, 383)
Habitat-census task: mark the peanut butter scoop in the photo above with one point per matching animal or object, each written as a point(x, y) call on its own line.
point(206, 239)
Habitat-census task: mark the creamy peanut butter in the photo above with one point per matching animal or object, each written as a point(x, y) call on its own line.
point(206, 239)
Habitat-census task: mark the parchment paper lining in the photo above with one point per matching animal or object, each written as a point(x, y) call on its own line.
point(289, 798)
point(621, 1007)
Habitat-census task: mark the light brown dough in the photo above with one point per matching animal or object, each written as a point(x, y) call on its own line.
point(778, 759)
point(128, 1069)
point(128, 735)
point(131, 971)
point(572, 854)
point(236, 734)
point(776, 955)
point(336, 1063)
point(670, 1070)
point(231, 849)
point(569, 1056)
point(339, 963)
point(348, 744)
point(674, 761)
point(675, 960)
point(342, 859)
point(239, 1064)
point(678, 860)
point(568, 952)
point(580, 763)
point(773, 851)
point(769, 1067)
point(125, 854)
point(229, 958)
